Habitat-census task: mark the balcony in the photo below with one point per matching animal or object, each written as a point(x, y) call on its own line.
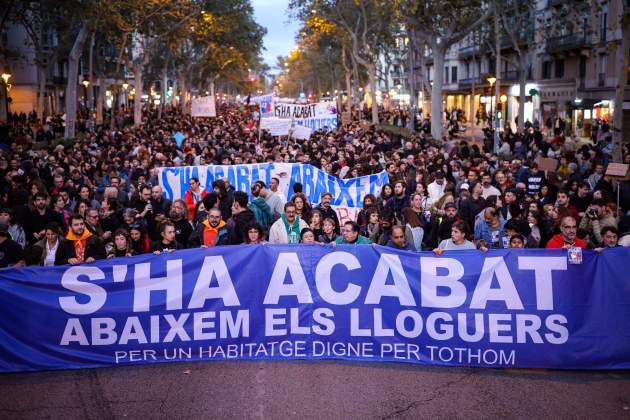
point(468, 51)
point(467, 83)
point(566, 42)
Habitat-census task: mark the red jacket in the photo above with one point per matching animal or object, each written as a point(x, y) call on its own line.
point(190, 203)
point(557, 241)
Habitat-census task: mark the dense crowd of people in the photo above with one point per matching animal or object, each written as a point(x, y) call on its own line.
point(96, 197)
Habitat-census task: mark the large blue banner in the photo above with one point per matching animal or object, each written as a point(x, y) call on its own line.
point(526, 308)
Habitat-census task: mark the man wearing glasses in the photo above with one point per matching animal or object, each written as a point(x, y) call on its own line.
point(567, 238)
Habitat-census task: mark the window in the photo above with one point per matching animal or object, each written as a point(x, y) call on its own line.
point(468, 70)
point(603, 23)
point(546, 70)
point(582, 66)
point(446, 75)
point(454, 74)
point(559, 69)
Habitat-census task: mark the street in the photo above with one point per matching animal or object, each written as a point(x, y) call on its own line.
point(301, 389)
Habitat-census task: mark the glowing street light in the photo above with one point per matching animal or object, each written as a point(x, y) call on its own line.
point(6, 76)
point(125, 86)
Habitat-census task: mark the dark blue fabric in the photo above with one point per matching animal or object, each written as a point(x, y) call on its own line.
point(593, 297)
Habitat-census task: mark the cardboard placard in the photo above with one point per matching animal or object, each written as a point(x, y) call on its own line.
point(619, 170)
point(547, 164)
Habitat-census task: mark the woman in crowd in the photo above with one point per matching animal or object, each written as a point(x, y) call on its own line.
point(414, 232)
point(121, 246)
point(50, 243)
point(255, 234)
point(302, 206)
point(457, 241)
point(329, 234)
point(316, 223)
point(307, 236)
point(372, 225)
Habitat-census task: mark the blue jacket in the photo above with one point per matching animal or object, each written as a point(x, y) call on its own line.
point(482, 231)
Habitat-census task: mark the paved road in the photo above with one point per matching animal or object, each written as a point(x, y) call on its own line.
point(312, 390)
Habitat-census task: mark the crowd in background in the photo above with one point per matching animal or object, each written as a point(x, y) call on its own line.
point(97, 196)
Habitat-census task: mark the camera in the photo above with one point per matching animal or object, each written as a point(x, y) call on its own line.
point(592, 212)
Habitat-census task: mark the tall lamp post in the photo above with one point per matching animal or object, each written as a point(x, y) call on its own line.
point(492, 80)
point(5, 78)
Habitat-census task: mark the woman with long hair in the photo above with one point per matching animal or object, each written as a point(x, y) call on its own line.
point(302, 206)
point(414, 233)
point(316, 223)
point(255, 234)
point(122, 245)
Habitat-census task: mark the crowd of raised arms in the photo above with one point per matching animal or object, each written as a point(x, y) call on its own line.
point(69, 202)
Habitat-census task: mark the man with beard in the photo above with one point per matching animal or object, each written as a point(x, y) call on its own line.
point(441, 226)
point(161, 206)
point(241, 218)
point(80, 245)
point(399, 201)
point(39, 218)
point(178, 216)
point(327, 210)
point(211, 232)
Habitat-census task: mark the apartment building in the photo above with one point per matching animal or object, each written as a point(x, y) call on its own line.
point(572, 48)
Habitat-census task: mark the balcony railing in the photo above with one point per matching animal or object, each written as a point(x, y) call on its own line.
point(566, 42)
point(467, 83)
point(468, 51)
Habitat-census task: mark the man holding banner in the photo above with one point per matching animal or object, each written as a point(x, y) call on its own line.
point(287, 229)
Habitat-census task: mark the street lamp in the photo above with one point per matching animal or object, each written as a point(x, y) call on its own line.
point(86, 83)
point(5, 78)
point(491, 80)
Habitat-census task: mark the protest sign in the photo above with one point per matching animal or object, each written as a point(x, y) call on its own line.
point(348, 193)
point(300, 132)
point(547, 164)
point(203, 106)
point(316, 116)
point(501, 309)
point(275, 126)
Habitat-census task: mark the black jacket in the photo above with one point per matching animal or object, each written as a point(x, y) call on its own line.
point(237, 226)
point(93, 249)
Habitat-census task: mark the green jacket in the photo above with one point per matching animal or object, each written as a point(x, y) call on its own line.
point(361, 240)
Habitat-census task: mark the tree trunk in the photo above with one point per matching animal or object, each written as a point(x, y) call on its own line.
point(100, 100)
point(372, 75)
point(90, 88)
point(137, 100)
point(174, 94)
point(164, 89)
point(436, 92)
point(497, 86)
point(73, 82)
point(620, 87)
point(348, 76)
point(42, 73)
point(522, 83)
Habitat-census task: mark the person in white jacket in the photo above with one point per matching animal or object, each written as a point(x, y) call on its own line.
point(437, 187)
point(287, 229)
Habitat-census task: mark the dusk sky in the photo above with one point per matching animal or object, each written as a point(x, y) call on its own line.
point(280, 38)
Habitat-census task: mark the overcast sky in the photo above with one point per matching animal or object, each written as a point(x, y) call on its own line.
point(280, 38)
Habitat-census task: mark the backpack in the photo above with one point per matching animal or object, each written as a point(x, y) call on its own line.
point(262, 211)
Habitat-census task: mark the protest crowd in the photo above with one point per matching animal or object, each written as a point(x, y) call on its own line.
point(98, 196)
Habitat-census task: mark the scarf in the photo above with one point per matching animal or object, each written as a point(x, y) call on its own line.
point(80, 242)
point(293, 231)
point(210, 233)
